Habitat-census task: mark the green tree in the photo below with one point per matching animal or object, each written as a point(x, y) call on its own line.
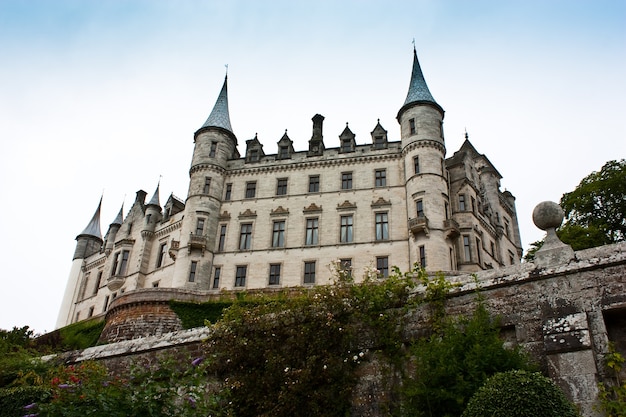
point(596, 210)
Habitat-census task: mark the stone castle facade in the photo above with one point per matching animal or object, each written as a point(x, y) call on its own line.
point(272, 221)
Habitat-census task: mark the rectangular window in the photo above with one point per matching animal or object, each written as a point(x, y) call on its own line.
point(379, 142)
point(412, 126)
point(116, 261)
point(274, 274)
point(207, 185)
point(162, 253)
point(124, 262)
point(90, 312)
point(200, 227)
point(346, 180)
point(314, 183)
point(222, 241)
point(346, 145)
point(98, 281)
point(311, 231)
point(278, 234)
point(511, 258)
point(106, 304)
point(416, 164)
point(419, 205)
point(446, 209)
point(245, 237)
point(216, 277)
point(192, 271)
point(422, 250)
point(466, 248)
point(382, 226)
point(380, 177)
point(284, 152)
point(478, 254)
point(346, 229)
point(473, 201)
point(345, 266)
point(254, 155)
point(229, 191)
point(309, 272)
point(507, 227)
point(213, 149)
point(281, 186)
point(240, 276)
point(382, 265)
point(250, 189)
point(461, 202)
point(493, 250)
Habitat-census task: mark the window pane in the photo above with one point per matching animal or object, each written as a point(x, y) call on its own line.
point(346, 229)
point(314, 183)
point(311, 232)
point(245, 237)
point(278, 235)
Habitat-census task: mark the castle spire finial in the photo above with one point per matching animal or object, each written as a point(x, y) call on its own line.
point(219, 116)
point(154, 201)
point(418, 90)
point(93, 228)
point(466, 135)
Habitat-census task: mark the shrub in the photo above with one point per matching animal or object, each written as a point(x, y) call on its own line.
point(519, 394)
point(612, 396)
point(13, 400)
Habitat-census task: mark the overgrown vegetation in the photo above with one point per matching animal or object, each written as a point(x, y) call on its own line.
point(298, 354)
point(613, 394)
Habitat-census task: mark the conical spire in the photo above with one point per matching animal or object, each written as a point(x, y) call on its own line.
point(219, 117)
point(119, 219)
point(418, 90)
point(93, 228)
point(154, 201)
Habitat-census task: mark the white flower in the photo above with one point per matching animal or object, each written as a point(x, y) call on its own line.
point(287, 369)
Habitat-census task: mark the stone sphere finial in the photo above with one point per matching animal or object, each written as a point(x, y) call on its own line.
point(548, 215)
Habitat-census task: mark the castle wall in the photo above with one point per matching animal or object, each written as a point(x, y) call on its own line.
point(563, 315)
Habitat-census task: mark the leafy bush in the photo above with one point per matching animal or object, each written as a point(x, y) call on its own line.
point(167, 389)
point(13, 400)
point(296, 356)
point(519, 394)
point(613, 395)
point(81, 335)
point(197, 314)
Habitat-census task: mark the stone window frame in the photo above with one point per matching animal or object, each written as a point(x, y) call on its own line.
point(274, 274)
point(245, 236)
point(422, 255)
point(281, 186)
point(278, 233)
point(346, 228)
point(312, 232)
point(346, 180)
point(381, 225)
point(229, 192)
point(193, 269)
point(467, 249)
point(380, 177)
point(213, 149)
point(200, 221)
point(308, 276)
point(207, 185)
point(217, 272)
point(416, 164)
point(221, 243)
point(419, 208)
point(382, 266)
point(412, 127)
point(161, 255)
point(241, 272)
point(250, 189)
point(314, 183)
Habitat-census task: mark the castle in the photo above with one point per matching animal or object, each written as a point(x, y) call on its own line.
point(271, 221)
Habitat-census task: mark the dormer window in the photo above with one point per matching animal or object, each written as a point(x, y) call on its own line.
point(254, 155)
point(284, 152)
point(346, 145)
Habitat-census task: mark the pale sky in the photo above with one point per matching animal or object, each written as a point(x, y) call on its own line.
point(103, 97)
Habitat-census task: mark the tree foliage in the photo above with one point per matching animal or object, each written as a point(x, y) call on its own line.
point(596, 209)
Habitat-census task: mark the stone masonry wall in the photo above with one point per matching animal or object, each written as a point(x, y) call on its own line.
point(564, 315)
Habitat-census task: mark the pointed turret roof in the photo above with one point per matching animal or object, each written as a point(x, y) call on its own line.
point(418, 90)
point(154, 201)
point(119, 219)
point(219, 117)
point(93, 228)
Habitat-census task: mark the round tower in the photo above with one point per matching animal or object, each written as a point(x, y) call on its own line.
point(112, 233)
point(87, 243)
point(215, 144)
point(427, 193)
